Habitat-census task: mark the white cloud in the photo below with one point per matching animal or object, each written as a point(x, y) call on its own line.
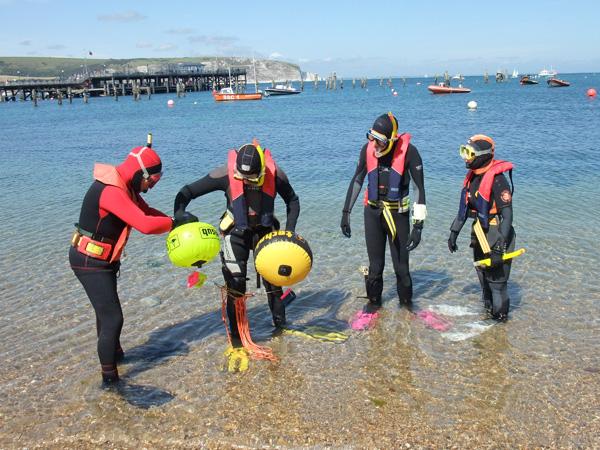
point(275, 55)
point(25, 43)
point(221, 45)
point(144, 44)
point(180, 31)
point(303, 60)
point(127, 16)
point(165, 48)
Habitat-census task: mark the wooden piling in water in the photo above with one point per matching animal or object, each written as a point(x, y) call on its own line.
point(34, 97)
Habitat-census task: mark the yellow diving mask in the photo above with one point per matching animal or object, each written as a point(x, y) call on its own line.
point(471, 151)
point(380, 140)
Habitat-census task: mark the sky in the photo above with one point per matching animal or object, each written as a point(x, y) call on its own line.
point(352, 38)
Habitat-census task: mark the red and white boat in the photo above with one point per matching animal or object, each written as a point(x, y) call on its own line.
point(555, 82)
point(227, 94)
point(443, 89)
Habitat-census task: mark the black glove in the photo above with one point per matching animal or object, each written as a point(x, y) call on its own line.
point(345, 225)
point(183, 218)
point(415, 236)
point(452, 242)
point(498, 250)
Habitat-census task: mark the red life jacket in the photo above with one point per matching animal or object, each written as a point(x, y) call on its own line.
point(397, 169)
point(102, 237)
point(484, 205)
point(238, 200)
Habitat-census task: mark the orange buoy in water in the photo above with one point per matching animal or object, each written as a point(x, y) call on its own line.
point(591, 92)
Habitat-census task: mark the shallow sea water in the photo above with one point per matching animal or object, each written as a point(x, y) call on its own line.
point(530, 382)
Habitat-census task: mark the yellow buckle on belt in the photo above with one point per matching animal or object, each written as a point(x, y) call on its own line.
point(384, 204)
point(75, 238)
point(94, 249)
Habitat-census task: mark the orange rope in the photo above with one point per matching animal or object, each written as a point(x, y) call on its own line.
point(256, 351)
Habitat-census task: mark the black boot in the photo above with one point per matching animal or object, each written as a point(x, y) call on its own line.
point(404, 294)
point(110, 377)
point(373, 304)
point(277, 307)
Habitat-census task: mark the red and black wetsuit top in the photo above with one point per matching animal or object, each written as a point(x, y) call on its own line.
point(485, 192)
point(218, 180)
point(412, 169)
point(113, 205)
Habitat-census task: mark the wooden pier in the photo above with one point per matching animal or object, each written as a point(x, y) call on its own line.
point(122, 84)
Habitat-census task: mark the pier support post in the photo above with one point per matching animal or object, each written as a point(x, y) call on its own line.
point(34, 97)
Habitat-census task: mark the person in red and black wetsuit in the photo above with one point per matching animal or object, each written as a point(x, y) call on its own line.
point(389, 161)
point(111, 207)
point(250, 180)
point(487, 197)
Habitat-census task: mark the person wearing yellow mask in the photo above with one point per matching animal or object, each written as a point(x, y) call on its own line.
point(487, 198)
point(251, 180)
point(389, 161)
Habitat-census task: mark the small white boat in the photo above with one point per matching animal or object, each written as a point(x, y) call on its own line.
point(548, 73)
point(281, 89)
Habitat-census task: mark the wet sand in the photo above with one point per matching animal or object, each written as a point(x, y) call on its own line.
point(401, 384)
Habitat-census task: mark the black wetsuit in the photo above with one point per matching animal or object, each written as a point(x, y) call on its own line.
point(376, 230)
point(238, 243)
point(493, 280)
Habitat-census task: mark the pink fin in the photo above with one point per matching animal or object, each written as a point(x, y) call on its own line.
point(193, 279)
point(363, 320)
point(434, 320)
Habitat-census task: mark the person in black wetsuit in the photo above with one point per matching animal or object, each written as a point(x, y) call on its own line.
point(389, 161)
point(487, 197)
point(250, 180)
point(110, 208)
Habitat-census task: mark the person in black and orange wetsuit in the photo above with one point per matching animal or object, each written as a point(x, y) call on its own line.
point(251, 180)
point(111, 207)
point(389, 161)
point(487, 197)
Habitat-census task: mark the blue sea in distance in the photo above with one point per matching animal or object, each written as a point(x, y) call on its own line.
point(546, 358)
